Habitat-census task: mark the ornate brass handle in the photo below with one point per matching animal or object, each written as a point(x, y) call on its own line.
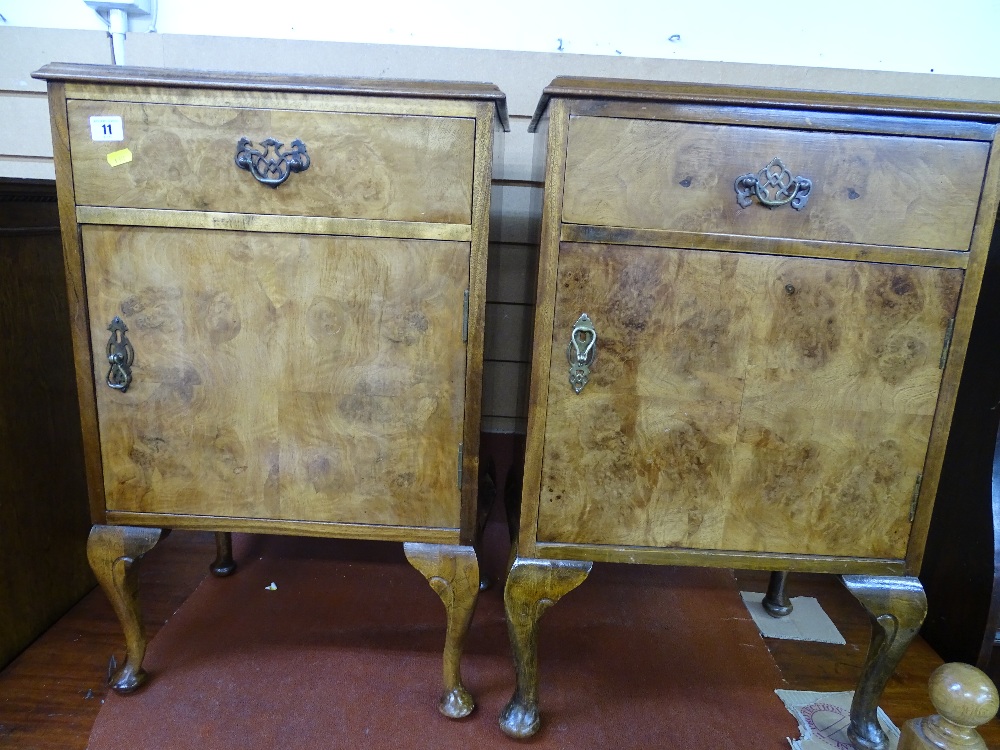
point(271, 170)
point(120, 356)
point(581, 352)
point(774, 177)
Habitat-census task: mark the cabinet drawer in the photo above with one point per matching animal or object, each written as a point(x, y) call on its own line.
point(866, 189)
point(365, 166)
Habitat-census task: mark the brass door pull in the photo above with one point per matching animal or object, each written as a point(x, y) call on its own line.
point(271, 170)
point(120, 356)
point(581, 352)
point(774, 177)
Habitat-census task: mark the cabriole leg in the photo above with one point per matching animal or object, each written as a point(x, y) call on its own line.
point(897, 607)
point(776, 602)
point(114, 553)
point(223, 565)
point(532, 587)
point(453, 572)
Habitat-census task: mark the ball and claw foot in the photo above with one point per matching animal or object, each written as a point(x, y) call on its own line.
point(519, 720)
point(457, 703)
point(453, 573)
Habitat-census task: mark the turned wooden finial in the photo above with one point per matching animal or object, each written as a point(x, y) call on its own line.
point(965, 699)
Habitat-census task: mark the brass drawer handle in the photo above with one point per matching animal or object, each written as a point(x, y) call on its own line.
point(581, 352)
point(271, 170)
point(120, 356)
point(777, 178)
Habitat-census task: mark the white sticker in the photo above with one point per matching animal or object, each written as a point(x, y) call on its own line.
point(107, 128)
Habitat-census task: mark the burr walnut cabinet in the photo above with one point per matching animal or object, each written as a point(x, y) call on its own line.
point(752, 311)
point(277, 290)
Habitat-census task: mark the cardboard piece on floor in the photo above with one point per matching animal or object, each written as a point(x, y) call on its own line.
point(807, 622)
point(824, 717)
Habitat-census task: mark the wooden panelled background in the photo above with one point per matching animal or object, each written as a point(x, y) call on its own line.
point(26, 151)
point(44, 515)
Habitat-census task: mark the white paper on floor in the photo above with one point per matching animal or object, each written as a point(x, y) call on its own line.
point(824, 717)
point(807, 622)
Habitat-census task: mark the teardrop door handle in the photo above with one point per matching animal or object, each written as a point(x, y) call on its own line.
point(581, 352)
point(121, 355)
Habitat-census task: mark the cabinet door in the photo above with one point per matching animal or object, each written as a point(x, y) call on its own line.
point(742, 402)
point(291, 377)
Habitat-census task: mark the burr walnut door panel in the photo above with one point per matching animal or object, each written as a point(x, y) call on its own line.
point(292, 377)
point(742, 402)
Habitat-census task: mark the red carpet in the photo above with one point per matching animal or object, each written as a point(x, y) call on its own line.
point(346, 653)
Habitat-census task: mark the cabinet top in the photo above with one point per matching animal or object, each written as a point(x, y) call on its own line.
point(749, 96)
point(208, 79)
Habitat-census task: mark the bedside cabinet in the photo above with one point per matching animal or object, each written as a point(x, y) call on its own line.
point(277, 289)
point(752, 311)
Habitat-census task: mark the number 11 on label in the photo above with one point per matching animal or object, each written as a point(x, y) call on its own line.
point(107, 128)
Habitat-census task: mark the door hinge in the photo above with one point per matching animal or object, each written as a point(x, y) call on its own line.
point(916, 496)
point(465, 318)
point(461, 458)
point(948, 333)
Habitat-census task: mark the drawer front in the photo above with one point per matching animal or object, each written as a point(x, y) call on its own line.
point(743, 403)
point(866, 189)
point(365, 166)
point(281, 377)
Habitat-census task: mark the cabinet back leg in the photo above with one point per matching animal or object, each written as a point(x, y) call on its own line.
point(453, 573)
point(114, 553)
point(223, 565)
point(776, 602)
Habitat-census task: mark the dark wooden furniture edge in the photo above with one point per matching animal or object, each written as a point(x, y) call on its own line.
point(338, 529)
point(124, 75)
point(570, 87)
point(989, 641)
point(712, 558)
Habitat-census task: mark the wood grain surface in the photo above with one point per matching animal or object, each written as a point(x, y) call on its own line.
point(980, 258)
point(569, 88)
point(362, 166)
point(251, 99)
point(907, 256)
point(50, 696)
point(747, 403)
point(219, 83)
point(877, 190)
point(549, 149)
point(291, 377)
point(488, 132)
point(44, 514)
point(158, 217)
point(76, 294)
point(795, 119)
